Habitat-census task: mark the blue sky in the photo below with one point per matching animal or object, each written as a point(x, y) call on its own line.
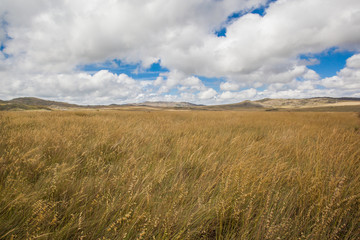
point(261, 10)
point(135, 71)
point(329, 61)
point(199, 51)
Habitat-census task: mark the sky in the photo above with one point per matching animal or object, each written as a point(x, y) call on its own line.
point(198, 51)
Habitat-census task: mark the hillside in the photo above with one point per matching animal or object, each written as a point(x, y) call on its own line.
point(19, 107)
point(31, 103)
point(163, 104)
point(307, 102)
point(40, 102)
point(245, 105)
point(319, 104)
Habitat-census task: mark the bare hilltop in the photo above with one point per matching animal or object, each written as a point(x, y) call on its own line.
point(317, 104)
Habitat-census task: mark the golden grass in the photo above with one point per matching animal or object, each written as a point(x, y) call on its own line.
point(179, 175)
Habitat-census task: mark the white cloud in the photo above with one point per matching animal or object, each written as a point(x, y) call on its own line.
point(207, 94)
point(238, 96)
point(346, 79)
point(159, 81)
point(2, 35)
point(353, 62)
point(102, 87)
point(180, 80)
point(50, 39)
point(311, 75)
point(47, 34)
point(229, 86)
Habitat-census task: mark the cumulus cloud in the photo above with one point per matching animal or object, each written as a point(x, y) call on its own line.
point(229, 86)
point(2, 35)
point(238, 96)
point(270, 45)
point(49, 33)
point(176, 79)
point(348, 79)
point(353, 62)
point(45, 42)
point(102, 87)
point(209, 93)
point(345, 83)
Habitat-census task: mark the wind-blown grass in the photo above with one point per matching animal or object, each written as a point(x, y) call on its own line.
point(179, 175)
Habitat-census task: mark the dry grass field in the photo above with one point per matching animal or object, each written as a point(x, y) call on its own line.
point(179, 175)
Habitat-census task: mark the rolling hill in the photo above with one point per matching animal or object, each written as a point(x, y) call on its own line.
point(163, 104)
point(267, 104)
point(41, 102)
point(31, 103)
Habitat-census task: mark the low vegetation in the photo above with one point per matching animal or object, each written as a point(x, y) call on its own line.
point(179, 175)
point(20, 107)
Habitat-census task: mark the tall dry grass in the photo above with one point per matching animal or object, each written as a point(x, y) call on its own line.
point(179, 175)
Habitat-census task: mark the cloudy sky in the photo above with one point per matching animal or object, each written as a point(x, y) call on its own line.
point(200, 51)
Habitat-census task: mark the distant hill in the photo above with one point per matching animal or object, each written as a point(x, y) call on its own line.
point(26, 103)
point(40, 102)
point(245, 105)
point(166, 104)
point(307, 102)
point(348, 99)
point(267, 104)
point(31, 103)
point(17, 107)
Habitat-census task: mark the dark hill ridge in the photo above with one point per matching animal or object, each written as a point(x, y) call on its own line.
point(246, 105)
point(348, 99)
point(305, 104)
point(40, 102)
point(32, 103)
point(165, 104)
point(26, 103)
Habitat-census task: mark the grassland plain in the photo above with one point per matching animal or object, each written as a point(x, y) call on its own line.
point(179, 175)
